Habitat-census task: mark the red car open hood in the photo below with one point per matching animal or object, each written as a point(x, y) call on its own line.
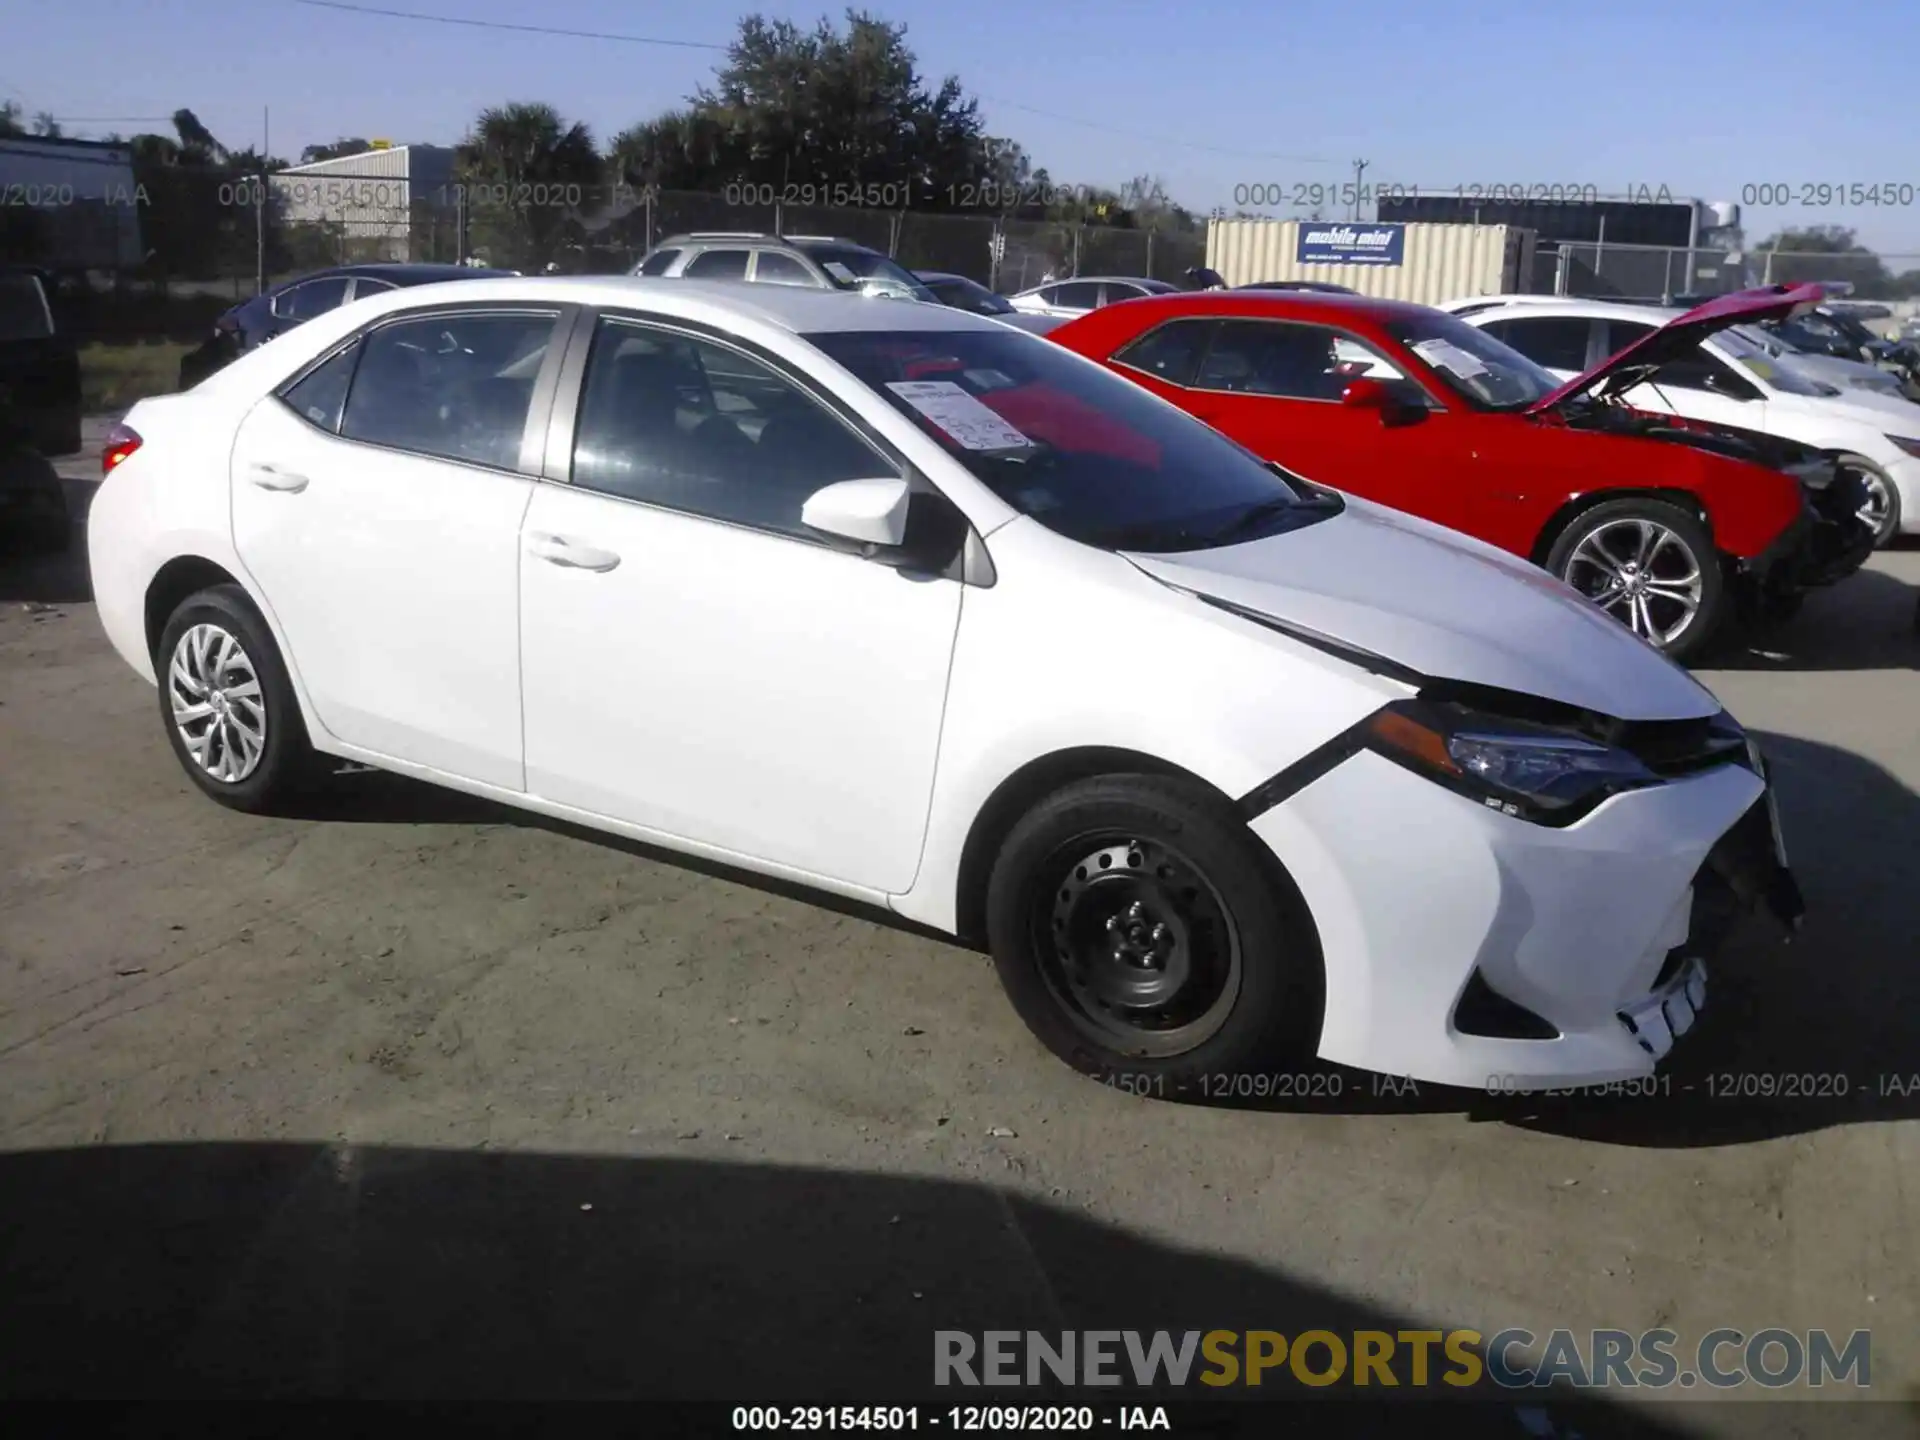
point(1619, 373)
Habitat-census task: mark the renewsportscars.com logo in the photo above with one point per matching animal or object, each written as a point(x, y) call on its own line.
point(1417, 1359)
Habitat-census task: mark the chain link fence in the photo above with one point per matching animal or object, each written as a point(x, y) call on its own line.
point(211, 231)
point(1659, 274)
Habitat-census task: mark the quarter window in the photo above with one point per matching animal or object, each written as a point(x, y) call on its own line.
point(454, 386)
point(320, 395)
point(659, 262)
point(695, 426)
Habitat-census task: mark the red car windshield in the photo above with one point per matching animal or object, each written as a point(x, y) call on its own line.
point(1485, 373)
point(1084, 452)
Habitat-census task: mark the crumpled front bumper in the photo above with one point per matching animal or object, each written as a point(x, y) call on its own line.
point(1465, 947)
point(1827, 543)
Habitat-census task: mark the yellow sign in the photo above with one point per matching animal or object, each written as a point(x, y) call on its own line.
point(380, 144)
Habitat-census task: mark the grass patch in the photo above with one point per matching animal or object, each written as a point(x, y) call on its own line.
point(113, 376)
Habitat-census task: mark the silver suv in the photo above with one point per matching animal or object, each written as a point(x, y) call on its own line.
point(817, 261)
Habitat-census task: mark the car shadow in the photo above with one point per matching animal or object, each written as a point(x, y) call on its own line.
point(52, 579)
point(292, 1271)
point(1869, 621)
point(1797, 1036)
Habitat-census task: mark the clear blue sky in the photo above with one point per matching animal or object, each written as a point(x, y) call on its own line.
point(1703, 98)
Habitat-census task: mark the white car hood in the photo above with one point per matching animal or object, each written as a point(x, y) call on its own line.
point(1443, 605)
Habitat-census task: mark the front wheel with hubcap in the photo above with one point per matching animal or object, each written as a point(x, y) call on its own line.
point(1136, 927)
point(1649, 564)
point(228, 704)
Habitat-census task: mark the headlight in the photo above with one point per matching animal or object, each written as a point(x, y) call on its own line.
point(1912, 447)
point(1530, 771)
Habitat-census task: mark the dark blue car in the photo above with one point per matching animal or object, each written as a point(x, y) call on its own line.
point(277, 310)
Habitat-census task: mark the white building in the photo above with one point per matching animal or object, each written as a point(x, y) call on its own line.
point(383, 204)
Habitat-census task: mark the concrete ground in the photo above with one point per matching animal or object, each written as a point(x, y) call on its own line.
point(420, 1096)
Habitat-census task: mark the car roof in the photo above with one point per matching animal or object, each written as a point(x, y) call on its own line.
point(944, 275)
point(797, 308)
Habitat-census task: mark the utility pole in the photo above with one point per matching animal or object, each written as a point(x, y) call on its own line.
point(1359, 169)
point(260, 205)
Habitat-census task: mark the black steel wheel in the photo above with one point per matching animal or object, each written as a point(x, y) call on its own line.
point(1139, 926)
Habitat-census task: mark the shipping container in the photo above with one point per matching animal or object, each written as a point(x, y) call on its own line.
point(69, 205)
point(1422, 263)
point(1617, 222)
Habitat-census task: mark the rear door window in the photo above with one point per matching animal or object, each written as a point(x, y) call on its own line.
point(717, 265)
point(457, 387)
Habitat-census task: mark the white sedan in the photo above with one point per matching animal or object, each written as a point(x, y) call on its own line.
point(910, 607)
point(1732, 379)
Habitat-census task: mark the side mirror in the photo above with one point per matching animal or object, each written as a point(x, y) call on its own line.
point(867, 512)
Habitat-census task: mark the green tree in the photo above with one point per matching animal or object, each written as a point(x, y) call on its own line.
point(531, 171)
point(11, 121)
point(1829, 252)
point(46, 127)
point(346, 145)
point(822, 107)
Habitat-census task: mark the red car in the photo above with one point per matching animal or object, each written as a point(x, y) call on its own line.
point(1669, 524)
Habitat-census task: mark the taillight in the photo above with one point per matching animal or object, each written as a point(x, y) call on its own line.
point(122, 441)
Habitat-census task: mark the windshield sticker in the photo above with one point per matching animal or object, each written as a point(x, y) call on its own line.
point(969, 424)
point(1445, 355)
point(839, 272)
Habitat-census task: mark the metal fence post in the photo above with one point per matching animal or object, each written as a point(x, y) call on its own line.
point(1150, 274)
point(893, 234)
point(1076, 249)
point(1767, 278)
point(777, 227)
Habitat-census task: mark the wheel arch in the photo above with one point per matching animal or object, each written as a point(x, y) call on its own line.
point(174, 582)
point(1578, 505)
point(1019, 793)
point(188, 574)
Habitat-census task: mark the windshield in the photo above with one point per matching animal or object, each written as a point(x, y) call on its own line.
point(849, 265)
point(1087, 454)
point(1751, 350)
point(1472, 364)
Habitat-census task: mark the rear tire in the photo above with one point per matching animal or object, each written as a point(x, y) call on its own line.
point(1145, 938)
point(1652, 566)
point(1883, 506)
point(228, 704)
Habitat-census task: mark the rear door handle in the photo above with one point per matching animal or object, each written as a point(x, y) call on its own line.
point(559, 550)
point(269, 477)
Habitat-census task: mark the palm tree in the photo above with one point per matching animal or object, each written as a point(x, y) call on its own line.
point(529, 173)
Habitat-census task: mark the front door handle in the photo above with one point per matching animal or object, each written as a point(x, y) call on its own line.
point(271, 477)
point(559, 550)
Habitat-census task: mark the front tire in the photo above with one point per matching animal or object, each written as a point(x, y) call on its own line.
point(1139, 930)
point(1652, 566)
point(228, 704)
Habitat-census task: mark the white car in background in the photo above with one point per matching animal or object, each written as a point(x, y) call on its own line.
point(1846, 376)
point(802, 583)
point(1731, 380)
point(1069, 299)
